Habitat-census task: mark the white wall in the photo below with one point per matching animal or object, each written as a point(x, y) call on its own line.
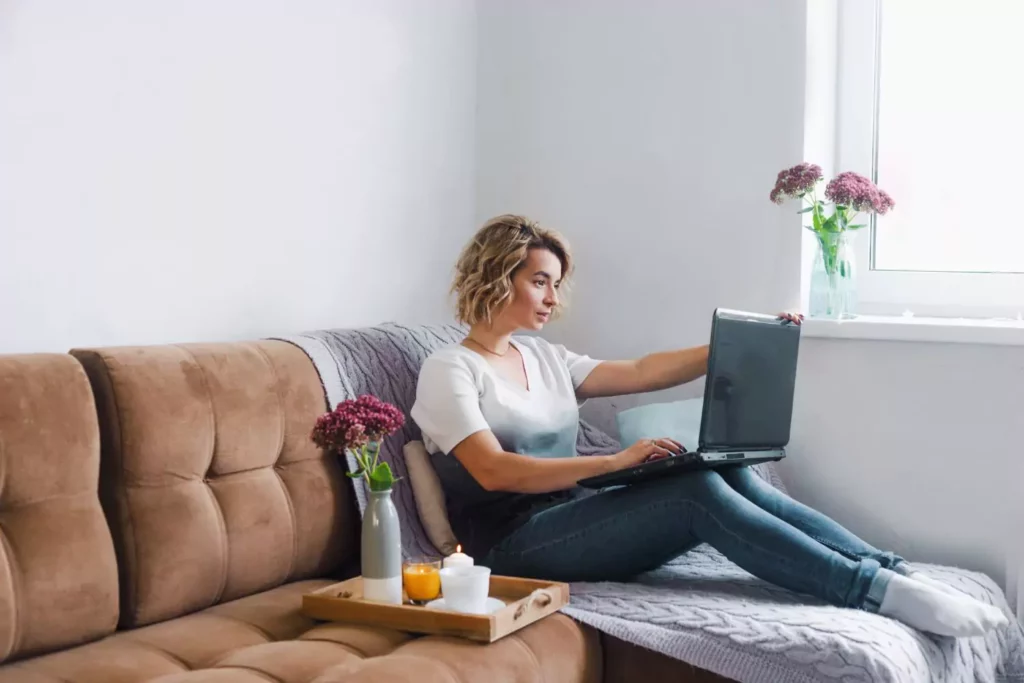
point(916, 445)
point(651, 136)
point(200, 171)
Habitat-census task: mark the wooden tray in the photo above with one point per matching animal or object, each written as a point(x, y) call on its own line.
point(525, 600)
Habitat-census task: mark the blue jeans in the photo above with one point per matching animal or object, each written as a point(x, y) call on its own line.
point(620, 532)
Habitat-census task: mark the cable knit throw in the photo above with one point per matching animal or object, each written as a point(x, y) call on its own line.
point(700, 608)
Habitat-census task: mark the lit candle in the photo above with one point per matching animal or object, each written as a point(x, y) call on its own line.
point(458, 559)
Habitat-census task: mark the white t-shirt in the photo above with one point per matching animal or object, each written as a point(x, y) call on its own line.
point(459, 393)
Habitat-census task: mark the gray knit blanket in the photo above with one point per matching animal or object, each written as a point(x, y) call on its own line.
point(699, 608)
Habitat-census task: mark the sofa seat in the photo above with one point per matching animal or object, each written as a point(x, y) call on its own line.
point(265, 637)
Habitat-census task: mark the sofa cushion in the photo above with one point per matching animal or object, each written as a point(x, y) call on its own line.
point(58, 573)
point(553, 650)
point(265, 637)
point(430, 501)
point(213, 488)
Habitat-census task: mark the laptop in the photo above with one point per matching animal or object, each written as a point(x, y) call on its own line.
point(748, 400)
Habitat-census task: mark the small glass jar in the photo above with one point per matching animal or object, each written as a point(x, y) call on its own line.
point(421, 580)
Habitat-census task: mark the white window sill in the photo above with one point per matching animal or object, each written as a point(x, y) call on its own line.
point(1005, 332)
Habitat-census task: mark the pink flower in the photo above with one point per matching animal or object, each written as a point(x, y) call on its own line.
point(858, 193)
point(355, 436)
point(795, 182)
point(886, 203)
point(355, 423)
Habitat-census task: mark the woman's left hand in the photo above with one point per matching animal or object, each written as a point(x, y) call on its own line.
point(795, 318)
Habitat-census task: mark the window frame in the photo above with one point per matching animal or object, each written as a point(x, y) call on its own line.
point(896, 292)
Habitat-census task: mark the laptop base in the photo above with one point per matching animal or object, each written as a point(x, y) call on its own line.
point(680, 464)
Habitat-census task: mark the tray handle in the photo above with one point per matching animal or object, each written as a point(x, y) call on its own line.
point(540, 597)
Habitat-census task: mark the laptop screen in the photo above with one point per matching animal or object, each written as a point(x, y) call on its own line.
point(748, 395)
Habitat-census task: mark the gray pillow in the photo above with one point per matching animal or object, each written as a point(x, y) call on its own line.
point(679, 420)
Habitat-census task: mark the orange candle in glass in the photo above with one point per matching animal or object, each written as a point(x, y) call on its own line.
point(422, 580)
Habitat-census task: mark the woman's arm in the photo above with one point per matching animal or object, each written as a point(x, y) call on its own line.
point(447, 409)
point(498, 470)
point(653, 372)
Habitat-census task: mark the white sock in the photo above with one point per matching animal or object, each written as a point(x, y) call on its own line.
point(929, 609)
point(935, 583)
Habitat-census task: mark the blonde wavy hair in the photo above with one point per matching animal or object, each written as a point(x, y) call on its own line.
point(487, 264)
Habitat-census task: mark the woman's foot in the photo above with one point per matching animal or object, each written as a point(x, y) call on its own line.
point(935, 583)
point(926, 608)
point(908, 570)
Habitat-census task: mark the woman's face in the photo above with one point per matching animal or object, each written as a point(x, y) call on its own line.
point(534, 291)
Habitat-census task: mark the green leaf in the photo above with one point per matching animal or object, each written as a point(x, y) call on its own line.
point(381, 477)
point(355, 475)
point(857, 227)
point(817, 220)
point(809, 208)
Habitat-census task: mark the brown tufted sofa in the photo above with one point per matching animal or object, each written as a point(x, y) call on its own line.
point(162, 511)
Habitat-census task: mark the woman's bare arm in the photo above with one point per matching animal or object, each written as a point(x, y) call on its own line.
point(652, 372)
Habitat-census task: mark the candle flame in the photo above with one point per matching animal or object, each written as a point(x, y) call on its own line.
point(458, 548)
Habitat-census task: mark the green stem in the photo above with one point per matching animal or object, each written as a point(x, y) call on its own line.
point(367, 465)
point(815, 209)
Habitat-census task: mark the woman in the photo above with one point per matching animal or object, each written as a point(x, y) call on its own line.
point(500, 414)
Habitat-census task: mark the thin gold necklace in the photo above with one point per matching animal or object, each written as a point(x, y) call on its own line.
point(493, 353)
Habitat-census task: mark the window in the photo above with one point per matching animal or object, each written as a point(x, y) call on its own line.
point(930, 105)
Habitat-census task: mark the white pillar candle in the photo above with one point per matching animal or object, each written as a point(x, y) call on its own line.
point(458, 559)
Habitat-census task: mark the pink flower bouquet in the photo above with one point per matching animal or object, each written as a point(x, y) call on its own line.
point(360, 426)
point(849, 192)
point(833, 286)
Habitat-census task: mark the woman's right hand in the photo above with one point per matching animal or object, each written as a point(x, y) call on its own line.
point(644, 450)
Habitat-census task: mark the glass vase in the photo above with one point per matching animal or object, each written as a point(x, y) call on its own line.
point(833, 277)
